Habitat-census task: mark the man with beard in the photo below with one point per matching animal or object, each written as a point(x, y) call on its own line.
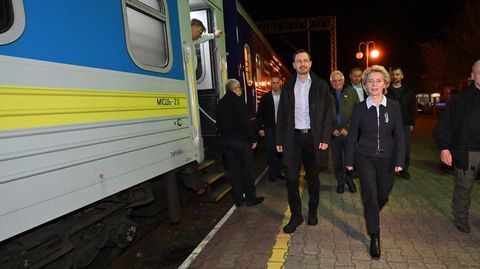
point(306, 114)
point(401, 93)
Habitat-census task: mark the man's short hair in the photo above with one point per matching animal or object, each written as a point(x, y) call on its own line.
point(337, 72)
point(231, 84)
point(197, 22)
point(301, 51)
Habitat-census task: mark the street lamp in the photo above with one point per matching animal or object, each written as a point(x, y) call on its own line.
point(370, 53)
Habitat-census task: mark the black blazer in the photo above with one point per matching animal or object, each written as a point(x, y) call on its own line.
point(322, 117)
point(363, 138)
point(266, 112)
point(233, 122)
point(407, 104)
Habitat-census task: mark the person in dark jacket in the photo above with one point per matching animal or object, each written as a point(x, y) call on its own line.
point(304, 126)
point(405, 96)
point(266, 121)
point(345, 98)
point(458, 136)
point(238, 138)
point(377, 144)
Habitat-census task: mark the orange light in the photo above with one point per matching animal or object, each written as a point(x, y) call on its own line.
point(374, 53)
point(359, 55)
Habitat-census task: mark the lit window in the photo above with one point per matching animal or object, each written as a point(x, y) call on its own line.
point(258, 67)
point(148, 34)
point(248, 65)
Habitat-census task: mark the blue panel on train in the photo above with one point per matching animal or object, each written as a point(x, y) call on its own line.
point(86, 33)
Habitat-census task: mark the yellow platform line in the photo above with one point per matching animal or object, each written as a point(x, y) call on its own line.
point(280, 249)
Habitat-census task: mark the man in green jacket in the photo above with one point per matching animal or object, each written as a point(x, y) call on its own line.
point(345, 98)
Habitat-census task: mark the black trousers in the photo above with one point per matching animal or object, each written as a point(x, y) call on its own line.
point(303, 151)
point(239, 157)
point(408, 143)
point(274, 158)
point(376, 181)
point(338, 144)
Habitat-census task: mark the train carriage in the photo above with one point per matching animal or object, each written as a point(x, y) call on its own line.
point(97, 99)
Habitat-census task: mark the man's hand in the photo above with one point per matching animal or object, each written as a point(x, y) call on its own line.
point(349, 168)
point(218, 33)
point(254, 145)
point(323, 146)
point(280, 149)
point(336, 133)
point(343, 132)
point(398, 169)
point(411, 128)
point(446, 157)
point(261, 132)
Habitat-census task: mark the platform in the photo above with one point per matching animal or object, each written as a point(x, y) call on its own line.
point(417, 228)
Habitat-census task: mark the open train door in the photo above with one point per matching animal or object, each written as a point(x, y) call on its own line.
point(210, 74)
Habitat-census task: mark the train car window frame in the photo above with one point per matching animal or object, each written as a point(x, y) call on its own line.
point(151, 58)
point(247, 55)
point(13, 20)
point(258, 67)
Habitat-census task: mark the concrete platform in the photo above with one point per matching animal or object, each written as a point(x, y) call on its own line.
point(417, 228)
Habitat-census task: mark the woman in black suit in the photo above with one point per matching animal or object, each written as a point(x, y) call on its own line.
point(377, 144)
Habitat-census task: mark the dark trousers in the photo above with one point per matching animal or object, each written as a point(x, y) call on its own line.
point(274, 158)
point(239, 157)
point(303, 151)
point(376, 181)
point(464, 180)
point(408, 139)
point(338, 144)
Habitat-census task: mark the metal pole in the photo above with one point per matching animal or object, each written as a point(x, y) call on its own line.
point(368, 52)
point(173, 202)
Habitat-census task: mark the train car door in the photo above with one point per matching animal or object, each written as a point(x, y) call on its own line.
point(210, 73)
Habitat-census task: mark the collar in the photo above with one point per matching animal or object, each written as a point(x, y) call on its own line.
point(308, 78)
point(370, 103)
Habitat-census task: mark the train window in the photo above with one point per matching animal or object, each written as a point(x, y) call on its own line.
point(248, 64)
point(258, 67)
point(147, 31)
point(12, 20)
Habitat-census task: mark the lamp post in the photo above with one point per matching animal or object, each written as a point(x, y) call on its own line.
point(373, 53)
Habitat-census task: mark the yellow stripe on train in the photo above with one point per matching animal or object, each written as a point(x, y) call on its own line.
point(29, 107)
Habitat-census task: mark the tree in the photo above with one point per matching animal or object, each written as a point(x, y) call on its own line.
point(448, 58)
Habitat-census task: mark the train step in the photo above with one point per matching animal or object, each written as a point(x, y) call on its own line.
point(220, 191)
point(215, 176)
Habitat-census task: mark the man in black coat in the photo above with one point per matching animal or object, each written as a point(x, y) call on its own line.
point(238, 138)
point(305, 117)
point(266, 121)
point(458, 137)
point(405, 96)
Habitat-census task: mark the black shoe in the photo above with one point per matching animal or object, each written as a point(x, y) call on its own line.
point(375, 246)
point(292, 224)
point(340, 188)
point(352, 187)
point(405, 174)
point(312, 218)
point(258, 200)
point(462, 225)
point(240, 203)
point(271, 178)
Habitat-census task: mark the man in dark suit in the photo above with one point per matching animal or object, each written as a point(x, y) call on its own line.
point(458, 137)
point(404, 95)
point(305, 117)
point(238, 138)
point(266, 121)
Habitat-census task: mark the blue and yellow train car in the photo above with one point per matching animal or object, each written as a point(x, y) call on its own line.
point(96, 97)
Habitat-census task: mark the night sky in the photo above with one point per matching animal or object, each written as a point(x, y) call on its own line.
point(397, 28)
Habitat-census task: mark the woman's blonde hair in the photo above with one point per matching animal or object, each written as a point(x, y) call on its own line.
point(376, 68)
